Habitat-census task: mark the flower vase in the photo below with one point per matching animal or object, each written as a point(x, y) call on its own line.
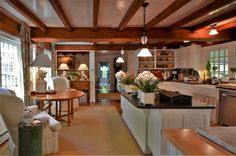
point(139, 93)
point(128, 88)
point(147, 98)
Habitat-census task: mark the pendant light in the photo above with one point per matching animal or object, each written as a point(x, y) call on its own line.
point(213, 30)
point(144, 52)
point(120, 59)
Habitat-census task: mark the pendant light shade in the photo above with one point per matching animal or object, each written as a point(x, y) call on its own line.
point(213, 30)
point(120, 60)
point(144, 52)
point(144, 39)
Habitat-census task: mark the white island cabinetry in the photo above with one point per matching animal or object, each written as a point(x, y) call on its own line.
point(146, 122)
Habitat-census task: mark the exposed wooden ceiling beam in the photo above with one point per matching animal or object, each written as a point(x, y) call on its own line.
point(95, 13)
point(9, 25)
point(226, 26)
point(58, 8)
point(219, 18)
point(130, 13)
point(167, 12)
point(27, 14)
point(129, 34)
point(201, 12)
point(97, 47)
point(75, 48)
point(4, 11)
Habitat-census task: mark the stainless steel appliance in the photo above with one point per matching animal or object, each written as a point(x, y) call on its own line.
point(227, 110)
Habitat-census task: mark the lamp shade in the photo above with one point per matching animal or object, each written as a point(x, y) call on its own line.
point(83, 67)
point(120, 60)
point(63, 66)
point(213, 31)
point(144, 52)
point(42, 60)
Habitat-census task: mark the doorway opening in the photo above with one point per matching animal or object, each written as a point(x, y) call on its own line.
point(104, 78)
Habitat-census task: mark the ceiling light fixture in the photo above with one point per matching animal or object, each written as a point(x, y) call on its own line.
point(144, 52)
point(120, 59)
point(213, 30)
point(186, 41)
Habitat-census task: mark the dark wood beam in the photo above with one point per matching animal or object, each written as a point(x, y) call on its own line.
point(217, 19)
point(61, 14)
point(130, 13)
point(9, 25)
point(27, 14)
point(129, 34)
point(97, 47)
point(201, 12)
point(95, 13)
point(7, 13)
point(167, 12)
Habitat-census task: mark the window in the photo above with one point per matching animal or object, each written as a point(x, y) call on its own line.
point(220, 59)
point(11, 68)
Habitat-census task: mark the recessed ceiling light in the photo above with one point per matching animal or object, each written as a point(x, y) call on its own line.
point(186, 41)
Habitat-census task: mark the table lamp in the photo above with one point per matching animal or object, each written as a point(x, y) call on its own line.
point(41, 61)
point(64, 67)
point(82, 68)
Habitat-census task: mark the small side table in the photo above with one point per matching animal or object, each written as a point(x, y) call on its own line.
point(30, 139)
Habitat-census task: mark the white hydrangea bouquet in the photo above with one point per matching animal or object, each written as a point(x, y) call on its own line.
point(120, 76)
point(147, 83)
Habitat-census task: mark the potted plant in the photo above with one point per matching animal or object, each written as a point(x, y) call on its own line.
point(128, 81)
point(73, 75)
point(233, 70)
point(214, 68)
point(208, 69)
point(147, 82)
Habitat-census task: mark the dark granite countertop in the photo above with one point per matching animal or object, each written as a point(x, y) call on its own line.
point(229, 86)
point(132, 98)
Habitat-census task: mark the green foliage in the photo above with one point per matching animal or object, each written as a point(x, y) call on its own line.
point(73, 74)
point(233, 69)
point(208, 69)
point(214, 68)
point(128, 79)
point(148, 86)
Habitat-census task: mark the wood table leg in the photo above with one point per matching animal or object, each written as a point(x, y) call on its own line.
point(60, 110)
point(72, 108)
point(68, 114)
point(49, 107)
point(56, 113)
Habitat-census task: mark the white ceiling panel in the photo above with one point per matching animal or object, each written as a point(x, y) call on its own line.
point(15, 13)
point(111, 12)
point(212, 14)
point(184, 11)
point(78, 12)
point(44, 11)
point(153, 9)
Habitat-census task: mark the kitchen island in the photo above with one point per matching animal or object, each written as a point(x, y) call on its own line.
point(146, 121)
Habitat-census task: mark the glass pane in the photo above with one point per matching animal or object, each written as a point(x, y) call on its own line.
point(222, 52)
point(211, 54)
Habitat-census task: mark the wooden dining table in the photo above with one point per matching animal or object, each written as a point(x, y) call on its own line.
point(66, 95)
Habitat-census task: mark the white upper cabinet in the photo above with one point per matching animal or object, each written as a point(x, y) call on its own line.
point(189, 57)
